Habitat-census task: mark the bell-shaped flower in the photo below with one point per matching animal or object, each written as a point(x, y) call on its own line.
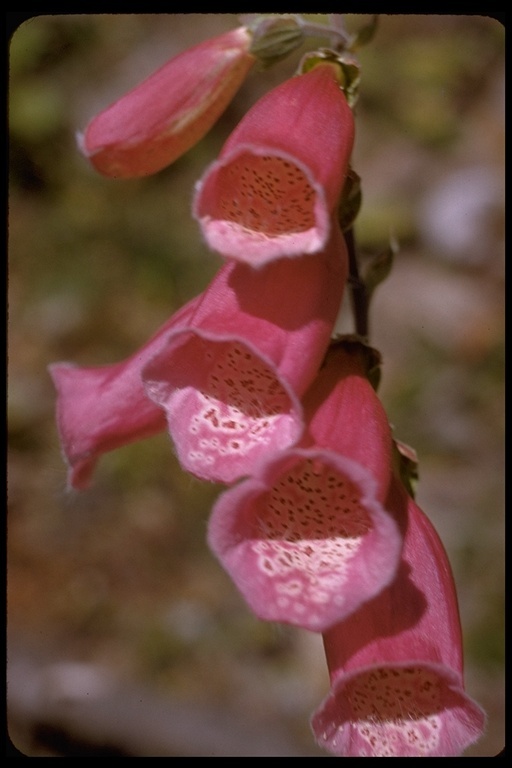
point(169, 112)
point(105, 407)
point(396, 665)
point(278, 178)
point(232, 379)
point(307, 538)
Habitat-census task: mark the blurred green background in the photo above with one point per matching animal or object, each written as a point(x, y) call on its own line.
point(115, 586)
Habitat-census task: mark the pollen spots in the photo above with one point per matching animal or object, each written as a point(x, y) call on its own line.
point(267, 195)
point(396, 710)
point(239, 405)
point(311, 524)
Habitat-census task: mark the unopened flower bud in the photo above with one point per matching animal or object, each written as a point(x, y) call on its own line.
point(168, 113)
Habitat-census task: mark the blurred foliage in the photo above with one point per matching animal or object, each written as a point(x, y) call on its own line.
point(121, 573)
point(436, 70)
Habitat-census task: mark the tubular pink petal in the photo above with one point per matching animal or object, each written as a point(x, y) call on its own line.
point(102, 408)
point(278, 178)
point(308, 539)
point(396, 665)
point(410, 709)
point(163, 117)
point(231, 380)
point(305, 541)
point(344, 412)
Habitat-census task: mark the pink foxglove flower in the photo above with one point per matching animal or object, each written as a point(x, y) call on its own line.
point(278, 178)
point(102, 408)
point(307, 538)
point(163, 117)
point(396, 665)
point(231, 381)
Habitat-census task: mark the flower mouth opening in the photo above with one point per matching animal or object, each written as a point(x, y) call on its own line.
point(311, 521)
point(395, 695)
point(313, 501)
point(392, 710)
point(265, 195)
point(294, 537)
point(240, 393)
point(226, 405)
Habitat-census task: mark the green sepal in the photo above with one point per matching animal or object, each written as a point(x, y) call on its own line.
point(347, 66)
point(405, 460)
point(273, 38)
point(350, 201)
point(371, 357)
point(379, 267)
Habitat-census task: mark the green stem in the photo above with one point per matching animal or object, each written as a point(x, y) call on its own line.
point(358, 293)
point(312, 29)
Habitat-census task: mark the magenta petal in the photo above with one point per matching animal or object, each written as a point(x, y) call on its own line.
point(99, 409)
point(231, 381)
point(102, 408)
point(305, 541)
point(278, 178)
point(396, 664)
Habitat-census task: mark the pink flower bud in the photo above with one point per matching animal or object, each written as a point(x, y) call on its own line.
point(168, 113)
point(396, 666)
point(278, 178)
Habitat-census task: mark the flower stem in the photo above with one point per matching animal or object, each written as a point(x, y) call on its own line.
point(336, 33)
point(358, 293)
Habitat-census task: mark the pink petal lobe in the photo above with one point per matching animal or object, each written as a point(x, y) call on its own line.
point(305, 541)
point(102, 408)
point(226, 404)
